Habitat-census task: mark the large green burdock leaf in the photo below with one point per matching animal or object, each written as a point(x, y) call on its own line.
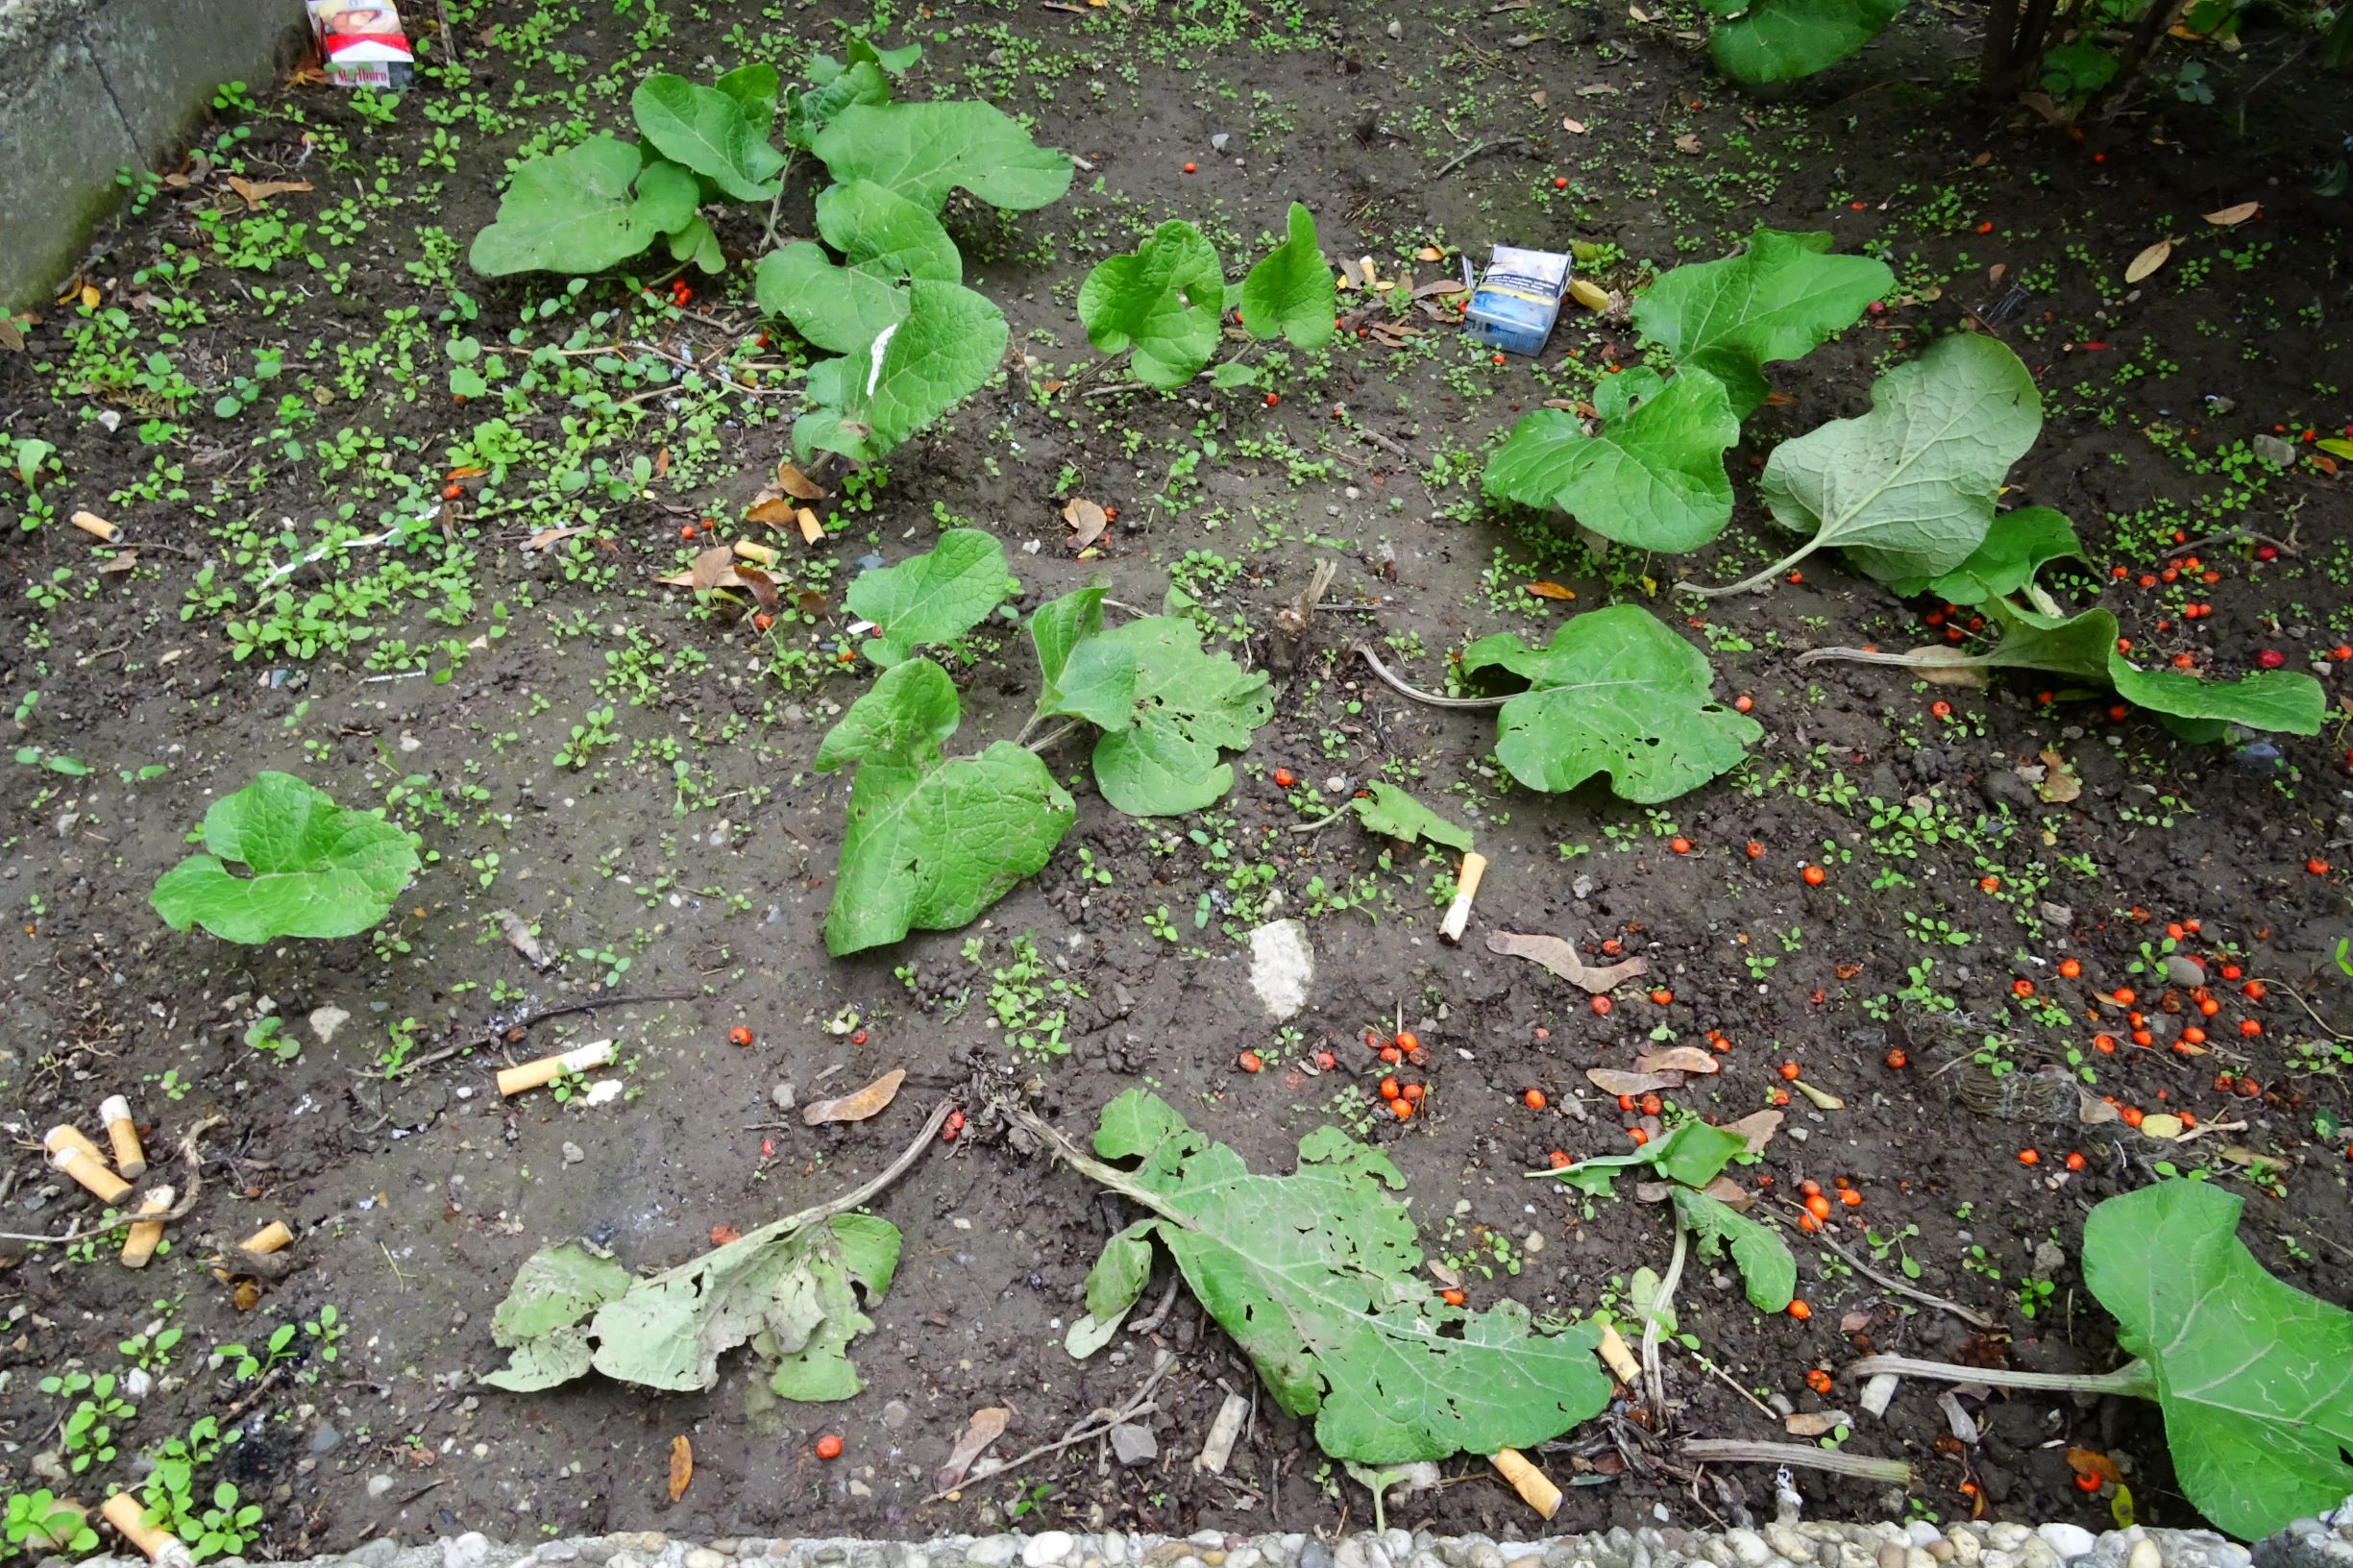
point(1779, 41)
point(1164, 706)
point(1652, 476)
point(2256, 1376)
point(1162, 301)
point(931, 841)
point(1290, 290)
point(884, 391)
point(316, 870)
point(1058, 627)
point(1907, 489)
point(931, 597)
point(884, 240)
point(1393, 814)
point(834, 85)
point(1317, 1277)
point(753, 87)
point(923, 151)
point(583, 210)
point(1614, 693)
point(1767, 1270)
point(1778, 299)
point(2017, 547)
point(796, 1287)
point(710, 131)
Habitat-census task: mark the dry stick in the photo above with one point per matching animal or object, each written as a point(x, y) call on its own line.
point(2133, 1378)
point(1964, 1314)
point(1660, 1303)
point(188, 1152)
point(1096, 1423)
point(1803, 1456)
point(2229, 535)
point(2332, 1033)
point(1459, 158)
point(1427, 698)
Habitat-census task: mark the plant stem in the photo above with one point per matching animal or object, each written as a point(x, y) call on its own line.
point(1654, 1320)
point(1734, 1451)
point(1756, 583)
point(1052, 735)
point(2133, 1378)
point(1095, 1170)
point(1427, 698)
point(1918, 658)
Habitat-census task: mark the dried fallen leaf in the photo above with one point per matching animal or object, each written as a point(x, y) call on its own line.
point(2238, 1153)
point(1816, 1423)
point(1854, 1323)
point(987, 1426)
point(1560, 957)
point(1730, 1193)
point(681, 1466)
point(1637, 14)
point(775, 512)
point(1550, 590)
point(710, 567)
point(1676, 1058)
point(550, 536)
point(1997, 272)
point(797, 484)
point(1687, 143)
point(1575, 128)
point(1758, 1127)
point(2230, 217)
point(1981, 160)
point(857, 1107)
point(1085, 519)
point(763, 586)
point(11, 336)
point(245, 1295)
point(2089, 1461)
point(2164, 1126)
point(2148, 260)
point(253, 192)
point(91, 522)
point(1613, 1081)
point(1430, 252)
point(1589, 294)
point(2091, 1111)
point(2059, 785)
point(122, 560)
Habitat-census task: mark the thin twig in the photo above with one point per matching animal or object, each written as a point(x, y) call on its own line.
point(1656, 1320)
point(1055, 734)
point(491, 1037)
point(1159, 1314)
point(1476, 148)
point(1096, 1424)
point(1427, 698)
point(2227, 535)
point(2132, 1378)
point(1805, 1455)
point(1964, 1314)
point(187, 1200)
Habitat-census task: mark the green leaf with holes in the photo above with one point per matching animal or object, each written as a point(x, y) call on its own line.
point(1161, 300)
point(1778, 299)
point(1767, 1270)
point(583, 210)
point(923, 151)
point(1165, 708)
point(884, 241)
point(1393, 814)
point(710, 131)
point(1652, 475)
point(1613, 692)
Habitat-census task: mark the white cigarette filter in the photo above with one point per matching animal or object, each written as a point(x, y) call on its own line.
point(139, 1246)
point(531, 1075)
point(273, 1237)
point(79, 1158)
point(1535, 1486)
point(129, 1159)
point(1467, 888)
point(160, 1547)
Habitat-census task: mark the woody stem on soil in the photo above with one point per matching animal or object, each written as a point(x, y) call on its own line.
point(2133, 1378)
point(1736, 1451)
point(1094, 1169)
point(1755, 583)
point(1426, 699)
point(1656, 1318)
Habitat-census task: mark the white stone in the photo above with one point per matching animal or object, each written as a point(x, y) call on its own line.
point(1993, 1557)
point(470, 1550)
point(1966, 1547)
point(992, 1551)
point(2069, 1541)
point(1047, 1547)
point(703, 1556)
point(325, 1020)
point(1749, 1548)
point(1922, 1533)
point(2145, 1555)
point(1281, 968)
point(2009, 1535)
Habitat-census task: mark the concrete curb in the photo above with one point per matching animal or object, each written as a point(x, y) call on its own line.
point(2313, 1543)
point(87, 86)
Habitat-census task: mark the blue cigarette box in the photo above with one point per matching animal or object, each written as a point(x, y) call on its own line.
point(1517, 300)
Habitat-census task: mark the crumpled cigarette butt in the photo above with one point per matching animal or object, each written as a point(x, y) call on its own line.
point(1535, 1486)
point(1466, 888)
point(514, 1081)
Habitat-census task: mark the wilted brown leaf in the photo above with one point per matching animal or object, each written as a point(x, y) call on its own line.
point(2148, 260)
point(2090, 1462)
point(711, 567)
point(1613, 1081)
point(245, 1295)
point(1550, 590)
point(987, 1426)
point(1573, 127)
point(774, 513)
point(763, 586)
point(681, 1466)
point(1815, 1423)
point(1687, 143)
point(1561, 958)
point(1730, 1193)
point(546, 537)
point(2059, 785)
point(1981, 160)
point(253, 193)
point(1085, 519)
point(11, 336)
point(1676, 1058)
point(1758, 1127)
point(865, 1102)
point(2230, 217)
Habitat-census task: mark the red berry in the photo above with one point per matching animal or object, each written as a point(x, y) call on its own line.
point(829, 1447)
point(739, 1035)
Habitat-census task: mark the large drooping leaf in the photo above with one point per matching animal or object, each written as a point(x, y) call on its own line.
point(1614, 693)
point(2252, 1373)
point(1779, 41)
point(931, 597)
point(753, 87)
point(931, 841)
point(1290, 290)
point(2017, 547)
point(1767, 1270)
point(1693, 1153)
point(876, 396)
point(1393, 814)
point(1652, 476)
point(710, 131)
point(795, 1285)
point(1165, 707)
point(583, 210)
point(884, 240)
point(923, 151)
point(1058, 627)
point(1317, 1277)
point(807, 109)
point(1907, 489)
point(314, 869)
point(1776, 299)
point(1162, 301)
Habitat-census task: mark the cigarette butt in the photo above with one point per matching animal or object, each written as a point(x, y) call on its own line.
point(1618, 1357)
point(761, 555)
point(64, 1135)
point(811, 530)
point(1535, 1486)
point(123, 1133)
point(531, 1075)
point(161, 1546)
point(271, 1237)
point(76, 1160)
point(1466, 888)
point(91, 522)
point(139, 1246)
